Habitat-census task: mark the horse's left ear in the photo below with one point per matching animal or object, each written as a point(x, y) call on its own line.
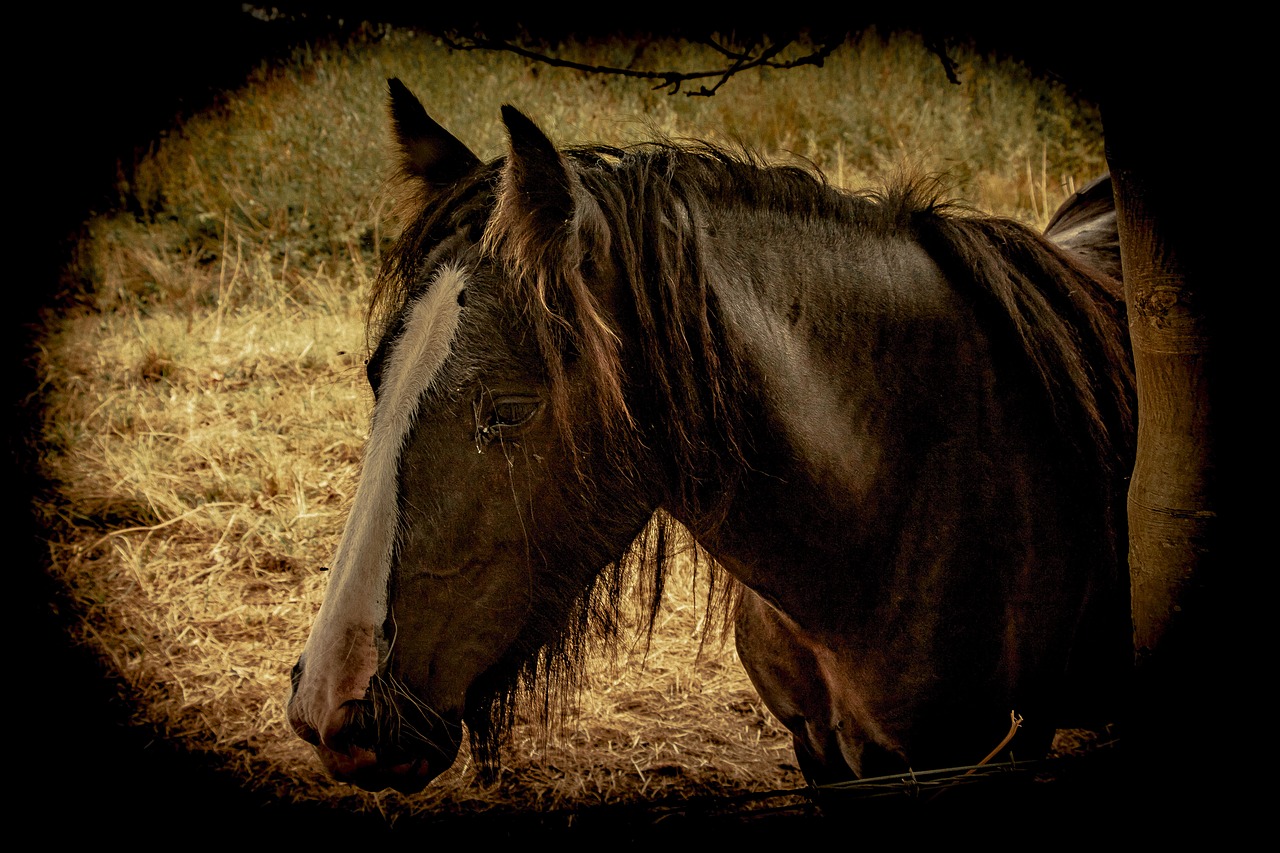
point(536, 181)
point(428, 151)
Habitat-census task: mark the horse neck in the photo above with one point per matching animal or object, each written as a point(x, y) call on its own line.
point(830, 331)
point(843, 347)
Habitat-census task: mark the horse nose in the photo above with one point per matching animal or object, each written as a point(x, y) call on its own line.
point(347, 728)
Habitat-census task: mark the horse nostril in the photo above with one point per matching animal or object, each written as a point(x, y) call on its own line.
point(295, 675)
point(301, 727)
point(305, 731)
point(352, 726)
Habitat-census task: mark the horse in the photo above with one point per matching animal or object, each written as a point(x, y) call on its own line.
point(899, 429)
point(1085, 224)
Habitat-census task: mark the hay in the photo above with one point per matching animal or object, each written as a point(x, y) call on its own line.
point(206, 650)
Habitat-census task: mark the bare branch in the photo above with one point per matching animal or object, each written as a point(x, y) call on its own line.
point(754, 55)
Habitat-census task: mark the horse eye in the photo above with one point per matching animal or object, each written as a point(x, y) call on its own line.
point(514, 411)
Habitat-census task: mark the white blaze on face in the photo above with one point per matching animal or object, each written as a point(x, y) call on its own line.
point(341, 654)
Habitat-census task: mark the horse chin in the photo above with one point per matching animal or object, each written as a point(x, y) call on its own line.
point(406, 774)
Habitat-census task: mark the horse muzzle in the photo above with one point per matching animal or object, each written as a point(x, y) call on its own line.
point(377, 771)
point(372, 744)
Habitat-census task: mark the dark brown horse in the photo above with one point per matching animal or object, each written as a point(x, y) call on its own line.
point(902, 428)
point(1085, 224)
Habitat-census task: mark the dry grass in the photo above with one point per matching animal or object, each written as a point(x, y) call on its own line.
point(206, 405)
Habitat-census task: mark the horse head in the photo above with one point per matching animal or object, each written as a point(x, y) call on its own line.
point(469, 559)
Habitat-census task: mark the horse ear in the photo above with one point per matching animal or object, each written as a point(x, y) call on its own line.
point(536, 179)
point(428, 151)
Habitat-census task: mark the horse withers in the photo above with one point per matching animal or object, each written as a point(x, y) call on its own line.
point(902, 428)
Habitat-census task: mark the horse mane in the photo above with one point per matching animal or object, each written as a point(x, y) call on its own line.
point(639, 207)
point(429, 219)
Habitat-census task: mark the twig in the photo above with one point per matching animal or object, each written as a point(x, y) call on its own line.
point(154, 527)
point(1015, 721)
point(672, 80)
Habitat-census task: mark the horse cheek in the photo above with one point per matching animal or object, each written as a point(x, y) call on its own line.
point(462, 586)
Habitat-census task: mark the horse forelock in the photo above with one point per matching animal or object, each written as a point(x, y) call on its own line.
point(547, 267)
point(431, 217)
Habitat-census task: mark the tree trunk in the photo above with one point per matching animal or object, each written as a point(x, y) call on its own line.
point(1176, 572)
point(1171, 496)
